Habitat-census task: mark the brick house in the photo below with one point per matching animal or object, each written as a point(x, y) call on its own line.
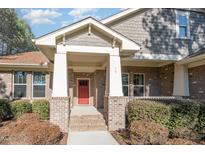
point(135, 53)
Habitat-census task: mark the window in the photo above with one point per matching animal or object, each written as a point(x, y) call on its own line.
point(138, 82)
point(125, 84)
point(182, 25)
point(20, 84)
point(39, 84)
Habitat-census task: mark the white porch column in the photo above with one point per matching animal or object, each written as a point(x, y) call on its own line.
point(60, 76)
point(115, 76)
point(181, 80)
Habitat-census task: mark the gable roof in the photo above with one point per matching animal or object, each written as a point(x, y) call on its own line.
point(127, 12)
point(120, 15)
point(26, 58)
point(50, 38)
point(198, 52)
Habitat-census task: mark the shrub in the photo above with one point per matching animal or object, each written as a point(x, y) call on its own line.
point(41, 107)
point(143, 132)
point(183, 115)
point(148, 110)
point(5, 111)
point(201, 119)
point(28, 129)
point(19, 107)
point(185, 133)
point(180, 141)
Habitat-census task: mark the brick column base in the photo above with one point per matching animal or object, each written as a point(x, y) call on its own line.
point(116, 112)
point(59, 112)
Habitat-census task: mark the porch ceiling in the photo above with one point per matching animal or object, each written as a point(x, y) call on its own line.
point(81, 62)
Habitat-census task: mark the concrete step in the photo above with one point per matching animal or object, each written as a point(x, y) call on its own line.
point(88, 128)
point(87, 123)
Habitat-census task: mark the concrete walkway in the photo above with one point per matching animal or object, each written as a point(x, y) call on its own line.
point(91, 138)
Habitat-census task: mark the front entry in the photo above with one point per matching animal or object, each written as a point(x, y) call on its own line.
point(83, 91)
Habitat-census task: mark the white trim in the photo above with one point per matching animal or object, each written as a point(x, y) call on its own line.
point(184, 13)
point(128, 85)
point(197, 63)
point(88, 91)
point(87, 49)
point(192, 59)
point(163, 57)
point(119, 15)
point(38, 84)
point(50, 39)
point(144, 86)
point(181, 80)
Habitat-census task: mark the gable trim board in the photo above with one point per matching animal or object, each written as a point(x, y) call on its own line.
point(50, 39)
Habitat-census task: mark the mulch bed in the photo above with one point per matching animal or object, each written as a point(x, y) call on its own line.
point(63, 141)
point(122, 137)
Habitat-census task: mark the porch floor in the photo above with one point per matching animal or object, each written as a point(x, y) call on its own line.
point(85, 110)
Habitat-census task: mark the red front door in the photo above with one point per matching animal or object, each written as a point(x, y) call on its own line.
point(83, 91)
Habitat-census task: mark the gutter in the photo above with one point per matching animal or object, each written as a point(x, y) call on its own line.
point(45, 65)
point(192, 59)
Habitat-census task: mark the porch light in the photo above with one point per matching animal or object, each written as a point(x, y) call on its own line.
point(113, 42)
point(64, 39)
point(89, 29)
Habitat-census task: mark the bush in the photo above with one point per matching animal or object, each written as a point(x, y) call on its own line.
point(5, 111)
point(183, 115)
point(41, 107)
point(19, 107)
point(185, 133)
point(143, 132)
point(28, 129)
point(180, 141)
point(148, 110)
point(201, 119)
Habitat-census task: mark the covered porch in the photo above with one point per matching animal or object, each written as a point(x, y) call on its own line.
point(89, 61)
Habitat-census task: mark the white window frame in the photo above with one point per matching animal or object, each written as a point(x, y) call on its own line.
point(38, 84)
point(20, 84)
point(127, 84)
point(139, 85)
point(183, 13)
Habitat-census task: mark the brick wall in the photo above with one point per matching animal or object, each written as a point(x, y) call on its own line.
point(115, 116)
point(99, 88)
point(197, 82)
point(152, 81)
point(166, 79)
point(6, 84)
point(60, 112)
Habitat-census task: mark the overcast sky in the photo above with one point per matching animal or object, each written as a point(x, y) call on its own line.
point(43, 21)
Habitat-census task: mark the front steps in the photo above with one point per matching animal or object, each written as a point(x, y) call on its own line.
point(86, 122)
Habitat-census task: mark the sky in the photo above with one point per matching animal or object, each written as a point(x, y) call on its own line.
point(43, 21)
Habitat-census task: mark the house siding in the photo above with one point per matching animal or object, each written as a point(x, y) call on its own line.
point(82, 38)
point(197, 82)
point(155, 31)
